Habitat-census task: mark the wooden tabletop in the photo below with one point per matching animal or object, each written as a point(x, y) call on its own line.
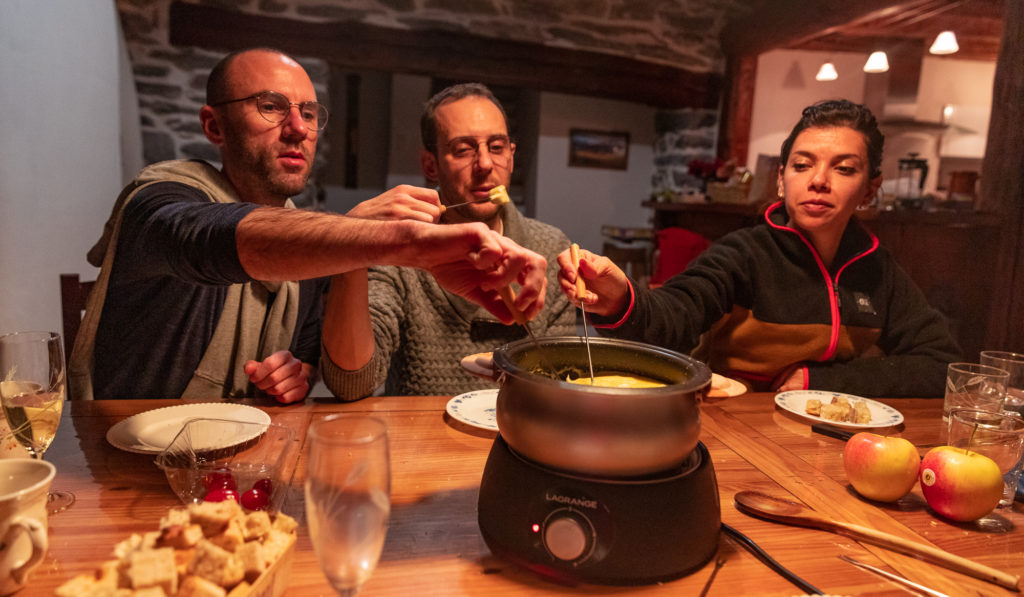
point(434, 545)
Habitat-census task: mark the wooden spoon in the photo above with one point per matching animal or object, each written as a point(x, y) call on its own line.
point(762, 505)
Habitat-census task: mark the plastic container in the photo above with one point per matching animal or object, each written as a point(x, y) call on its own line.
point(210, 458)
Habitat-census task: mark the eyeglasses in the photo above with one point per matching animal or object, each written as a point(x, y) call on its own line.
point(467, 149)
point(275, 108)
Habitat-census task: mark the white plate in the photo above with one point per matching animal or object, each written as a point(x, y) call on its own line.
point(725, 387)
point(882, 415)
point(151, 431)
point(477, 408)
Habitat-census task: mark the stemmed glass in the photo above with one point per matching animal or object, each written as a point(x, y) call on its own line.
point(32, 391)
point(348, 488)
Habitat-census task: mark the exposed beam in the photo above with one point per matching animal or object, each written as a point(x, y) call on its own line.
point(449, 55)
point(781, 23)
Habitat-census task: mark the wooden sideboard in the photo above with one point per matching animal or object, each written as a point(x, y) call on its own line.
point(949, 254)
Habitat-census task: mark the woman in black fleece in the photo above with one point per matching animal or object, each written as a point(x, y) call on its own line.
point(807, 299)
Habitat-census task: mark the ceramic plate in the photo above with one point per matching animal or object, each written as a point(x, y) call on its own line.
point(882, 415)
point(725, 387)
point(476, 408)
point(151, 431)
point(480, 364)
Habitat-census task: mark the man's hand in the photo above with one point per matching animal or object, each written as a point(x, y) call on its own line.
point(404, 202)
point(607, 285)
point(281, 375)
point(474, 262)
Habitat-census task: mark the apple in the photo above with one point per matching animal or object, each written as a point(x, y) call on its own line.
point(881, 468)
point(959, 484)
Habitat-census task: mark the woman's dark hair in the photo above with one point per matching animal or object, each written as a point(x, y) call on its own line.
point(841, 113)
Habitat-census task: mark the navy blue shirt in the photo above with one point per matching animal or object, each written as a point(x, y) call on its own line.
point(176, 256)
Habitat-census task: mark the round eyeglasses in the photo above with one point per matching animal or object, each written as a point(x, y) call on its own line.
point(275, 107)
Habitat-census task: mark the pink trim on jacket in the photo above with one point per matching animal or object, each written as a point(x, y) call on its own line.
point(833, 302)
point(622, 320)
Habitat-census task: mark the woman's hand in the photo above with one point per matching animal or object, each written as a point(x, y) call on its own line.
point(607, 286)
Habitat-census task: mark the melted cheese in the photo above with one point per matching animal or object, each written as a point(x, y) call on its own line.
point(615, 380)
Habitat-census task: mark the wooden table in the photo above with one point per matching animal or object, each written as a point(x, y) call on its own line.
point(434, 546)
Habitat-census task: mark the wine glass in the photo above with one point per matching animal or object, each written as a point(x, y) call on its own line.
point(348, 488)
point(32, 390)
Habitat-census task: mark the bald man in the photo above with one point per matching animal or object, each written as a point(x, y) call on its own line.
point(210, 283)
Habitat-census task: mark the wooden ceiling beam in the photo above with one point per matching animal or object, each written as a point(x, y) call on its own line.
point(449, 55)
point(785, 23)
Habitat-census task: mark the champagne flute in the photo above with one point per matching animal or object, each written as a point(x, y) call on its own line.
point(32, 391)
point(348, 488)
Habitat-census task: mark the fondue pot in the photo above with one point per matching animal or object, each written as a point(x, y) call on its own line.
point(598, 430)
point(595, 484)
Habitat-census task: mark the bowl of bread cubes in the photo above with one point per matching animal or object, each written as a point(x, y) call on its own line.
point(208, 549)
point(216, 460)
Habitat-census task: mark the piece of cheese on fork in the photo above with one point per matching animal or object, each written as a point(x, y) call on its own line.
point(498, 195)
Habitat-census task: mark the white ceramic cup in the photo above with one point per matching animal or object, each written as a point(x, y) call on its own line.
point(24, 485)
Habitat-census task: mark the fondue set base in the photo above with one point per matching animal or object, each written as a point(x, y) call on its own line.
point(585, 529)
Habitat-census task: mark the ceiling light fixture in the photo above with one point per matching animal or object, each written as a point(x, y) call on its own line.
point(827, 72)
point(945, 43)
point(877, 62)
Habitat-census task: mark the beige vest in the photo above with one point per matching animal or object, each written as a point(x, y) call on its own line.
point(251, 326)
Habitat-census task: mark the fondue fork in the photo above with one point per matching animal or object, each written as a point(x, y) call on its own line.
point(497, 195)
point(508, 296)
point(581, 293)
point(896, 578)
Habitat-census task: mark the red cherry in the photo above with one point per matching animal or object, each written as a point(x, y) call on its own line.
point(255, 499)
point(264, 485)
point(221, 494)
point(220, 478)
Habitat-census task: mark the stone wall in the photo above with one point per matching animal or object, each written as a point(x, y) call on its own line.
point(684, 33)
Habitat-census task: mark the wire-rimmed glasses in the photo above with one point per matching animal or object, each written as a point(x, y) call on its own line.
point(467, 150)
point(275, 108)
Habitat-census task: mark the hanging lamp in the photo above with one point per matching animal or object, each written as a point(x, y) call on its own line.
point(827, 72)
point(945, 43)
point(877, 62)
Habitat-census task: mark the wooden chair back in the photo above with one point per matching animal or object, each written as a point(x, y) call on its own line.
point(73, 295)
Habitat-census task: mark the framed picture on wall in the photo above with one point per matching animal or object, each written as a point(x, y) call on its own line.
point(598, 149)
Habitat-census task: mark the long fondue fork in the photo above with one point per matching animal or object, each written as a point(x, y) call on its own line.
point(581, 293)
point(508, 296)
point(497, 195)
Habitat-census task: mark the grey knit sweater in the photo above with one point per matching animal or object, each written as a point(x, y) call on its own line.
point(422, 331)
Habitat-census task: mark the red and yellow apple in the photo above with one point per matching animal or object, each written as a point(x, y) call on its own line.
point(881, 468)
point(959, 484)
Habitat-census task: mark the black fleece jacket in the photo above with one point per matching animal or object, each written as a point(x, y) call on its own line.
point(760, 302)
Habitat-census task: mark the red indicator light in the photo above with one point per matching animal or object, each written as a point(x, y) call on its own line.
point(536, 528)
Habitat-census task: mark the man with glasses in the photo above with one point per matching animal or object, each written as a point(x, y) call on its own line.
point(398, 326)
point(197, 294)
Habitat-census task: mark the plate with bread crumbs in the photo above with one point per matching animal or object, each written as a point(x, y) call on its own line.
point(841, 410)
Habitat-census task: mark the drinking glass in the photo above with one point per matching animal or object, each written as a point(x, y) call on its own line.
point(32, 391)
point(1012, 363)
point(348, 488)
point(998, 435)
point(969, 385)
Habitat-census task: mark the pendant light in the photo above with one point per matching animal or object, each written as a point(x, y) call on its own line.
point(877, 62)
point(827, 72)
point(945, 43)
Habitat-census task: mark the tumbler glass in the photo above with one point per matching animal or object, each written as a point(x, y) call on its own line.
point(1012, 363)
point(1000, 436)
point(969, 385)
